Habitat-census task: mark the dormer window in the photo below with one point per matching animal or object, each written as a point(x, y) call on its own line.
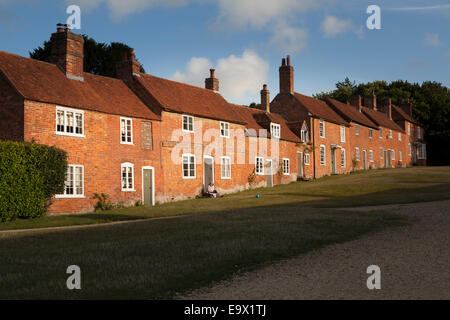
point(304, 133)
point(69, 122)
point(275, 130)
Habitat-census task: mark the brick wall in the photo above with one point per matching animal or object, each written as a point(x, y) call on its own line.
point(100, 152)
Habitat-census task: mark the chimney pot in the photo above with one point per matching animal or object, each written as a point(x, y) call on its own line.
point(286, 76)
point(265, 99)
point(288, 60)
point(212, 83)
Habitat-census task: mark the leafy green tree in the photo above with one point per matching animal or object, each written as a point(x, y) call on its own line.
point(99, 58)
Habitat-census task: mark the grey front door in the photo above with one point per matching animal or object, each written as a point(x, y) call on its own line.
point(148, 187)
point(300, 164)
point(269, 174)
point(333, 161)
point(208, 172)
point(365, 159)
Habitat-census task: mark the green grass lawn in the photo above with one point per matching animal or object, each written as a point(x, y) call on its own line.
point(373, 187)
point(216, 238)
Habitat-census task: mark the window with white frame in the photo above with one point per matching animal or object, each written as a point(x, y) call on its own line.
point(422, 151)
point(399, 136)
point(307, 158)
point(127, 170)
point(357, 129)
point(400, 156)
point(342, 133)
point(224, 130)
point(343, 158)
point(322, 155)
point(275, 130)
point(381, 153)
point(188, 123)
point(69, 122)
point(357, 155)
point(188, 166)
point(370, 133)
point(418, 132)
point(322, 129)
point(126, 130)
point(259, 165)
point(286, 167)
point(390, 133)
point(381, 132)
point(304, 133)
point(371, 155)
point(74, 184)
point(409, 149)
point(393, 154)
point(409, 129)
point(225, 163)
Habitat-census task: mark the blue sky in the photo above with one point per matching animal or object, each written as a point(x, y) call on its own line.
point(246, 39)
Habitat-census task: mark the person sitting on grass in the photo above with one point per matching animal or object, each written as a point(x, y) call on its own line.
point(212, 192)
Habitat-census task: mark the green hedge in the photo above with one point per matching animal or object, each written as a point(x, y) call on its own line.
point(30, 174)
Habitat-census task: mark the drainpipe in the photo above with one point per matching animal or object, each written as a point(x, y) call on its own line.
point(314, 144)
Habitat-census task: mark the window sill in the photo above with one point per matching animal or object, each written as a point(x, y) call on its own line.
point(69, 196)
point(189, 178)
point(187, 131)
point(225, 178)
point(127, 143)
point(70, 135)
point(128, 190)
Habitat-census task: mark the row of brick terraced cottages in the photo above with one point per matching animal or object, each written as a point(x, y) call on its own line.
point(143, 138)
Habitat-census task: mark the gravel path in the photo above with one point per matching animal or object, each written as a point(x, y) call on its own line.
point(414, 262)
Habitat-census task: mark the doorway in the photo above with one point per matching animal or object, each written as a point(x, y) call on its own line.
point(269, 173)
point(208, 172)
point(365, 159)
point(148, 186)
point(299, 165)
point(333, 161)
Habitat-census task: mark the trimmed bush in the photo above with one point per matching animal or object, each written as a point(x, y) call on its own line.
point(30, 174)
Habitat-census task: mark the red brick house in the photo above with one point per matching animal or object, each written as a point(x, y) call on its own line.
point(140, 138)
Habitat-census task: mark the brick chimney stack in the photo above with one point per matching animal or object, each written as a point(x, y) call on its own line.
point(128, 67)
point(356, 102)
point(386, 107)
point(286, 76)
point(265, 99)
point(371, 101)
point(67, 52)
point(212, 83)
point(406, 106)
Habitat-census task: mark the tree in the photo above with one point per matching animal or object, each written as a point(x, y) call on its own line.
point(431, 107)
point(99, 58)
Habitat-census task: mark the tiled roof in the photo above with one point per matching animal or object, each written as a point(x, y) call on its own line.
point(257, 119)
point(320, 109)
point(45, 82)
point(381, 119)
point(183, 98)
point(350, 113)
point(399, 114)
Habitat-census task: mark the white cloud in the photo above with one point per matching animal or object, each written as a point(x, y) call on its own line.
point(196, 69)
point(332, 26)
point(259, 13)
point(289, 40)
point(432, 39)
point(240, 76)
